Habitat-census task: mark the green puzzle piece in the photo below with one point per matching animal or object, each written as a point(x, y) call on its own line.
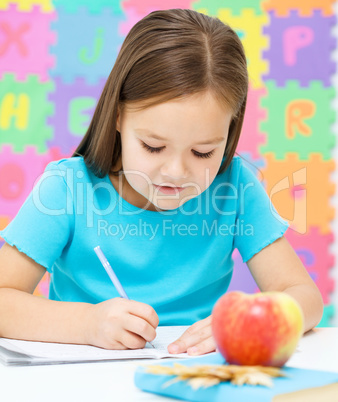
point(24, 109)
point(308, 126)
point(211, 7)
point(94, 7)
point(328, 314)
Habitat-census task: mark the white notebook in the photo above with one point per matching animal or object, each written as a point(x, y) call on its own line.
point(18, 352)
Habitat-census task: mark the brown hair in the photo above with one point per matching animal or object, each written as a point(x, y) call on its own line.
point(168, 54)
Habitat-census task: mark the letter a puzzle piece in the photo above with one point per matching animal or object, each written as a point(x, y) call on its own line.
point(301, 190)
point(298, 120)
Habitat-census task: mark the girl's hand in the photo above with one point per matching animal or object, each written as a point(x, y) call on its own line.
point(196, 340)
point(121, 324)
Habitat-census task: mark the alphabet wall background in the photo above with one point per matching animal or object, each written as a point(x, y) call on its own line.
point(55, 58)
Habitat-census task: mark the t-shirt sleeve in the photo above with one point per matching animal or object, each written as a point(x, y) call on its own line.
point(258, 222)
point(44, 224)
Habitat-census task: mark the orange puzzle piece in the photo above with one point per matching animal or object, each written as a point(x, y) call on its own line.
point(300, 190)
point(305, 7)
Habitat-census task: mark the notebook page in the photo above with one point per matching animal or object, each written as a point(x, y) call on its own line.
point(166, 335)
point(72, 352)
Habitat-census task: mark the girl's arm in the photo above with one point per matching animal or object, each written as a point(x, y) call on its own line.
point(112, 324)
point(278, 268)
point(28, 317)
point(275, 268)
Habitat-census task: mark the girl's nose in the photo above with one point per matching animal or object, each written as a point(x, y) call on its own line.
point(174, 168)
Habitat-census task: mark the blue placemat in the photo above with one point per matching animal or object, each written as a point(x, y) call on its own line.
point(297, 379)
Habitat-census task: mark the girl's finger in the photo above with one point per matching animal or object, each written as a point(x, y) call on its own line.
point(206, 346)
point(139, 326)
point(191, 337)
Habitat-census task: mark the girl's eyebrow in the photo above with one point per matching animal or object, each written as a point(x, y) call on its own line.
point(150, 134)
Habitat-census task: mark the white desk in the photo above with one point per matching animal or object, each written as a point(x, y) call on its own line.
point(114, 381)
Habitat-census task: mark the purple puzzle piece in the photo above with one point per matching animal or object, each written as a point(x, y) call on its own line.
point(242, 279)
point(74, 106)
point(300, 48)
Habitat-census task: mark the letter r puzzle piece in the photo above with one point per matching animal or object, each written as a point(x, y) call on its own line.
point(298, 120)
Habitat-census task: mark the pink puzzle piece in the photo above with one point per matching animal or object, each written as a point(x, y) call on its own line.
point(24, 42)
point(19, 173)
point(132, 17)
point(313, 250)
point(146, 6)
point(251, 137)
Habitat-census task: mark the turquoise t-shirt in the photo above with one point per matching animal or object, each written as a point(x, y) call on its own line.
point(178, 261)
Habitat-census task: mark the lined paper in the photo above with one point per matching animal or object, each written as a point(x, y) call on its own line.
point(31, 352)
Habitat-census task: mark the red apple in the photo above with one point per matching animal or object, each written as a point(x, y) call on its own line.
point(257, 329)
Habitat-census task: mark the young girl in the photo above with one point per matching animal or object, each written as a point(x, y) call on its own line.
point(156, 185)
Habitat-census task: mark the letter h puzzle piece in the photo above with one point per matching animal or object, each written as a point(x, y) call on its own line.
point(24, 109)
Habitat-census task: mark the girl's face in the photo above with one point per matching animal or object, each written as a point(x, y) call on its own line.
point(171, 152)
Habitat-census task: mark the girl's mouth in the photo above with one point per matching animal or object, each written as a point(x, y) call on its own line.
point(169, 190)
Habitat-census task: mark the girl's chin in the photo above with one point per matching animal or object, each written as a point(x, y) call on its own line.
point(166, 205)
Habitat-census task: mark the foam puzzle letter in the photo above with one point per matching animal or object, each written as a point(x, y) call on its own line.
point(8, 110)
point(296, 111)
point(294, 39)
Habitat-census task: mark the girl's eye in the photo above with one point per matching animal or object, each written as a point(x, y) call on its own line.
point(207, 155)
point(197, 154)
point(151, 149)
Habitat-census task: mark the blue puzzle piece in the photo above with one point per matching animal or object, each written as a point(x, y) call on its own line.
point(87, 45)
